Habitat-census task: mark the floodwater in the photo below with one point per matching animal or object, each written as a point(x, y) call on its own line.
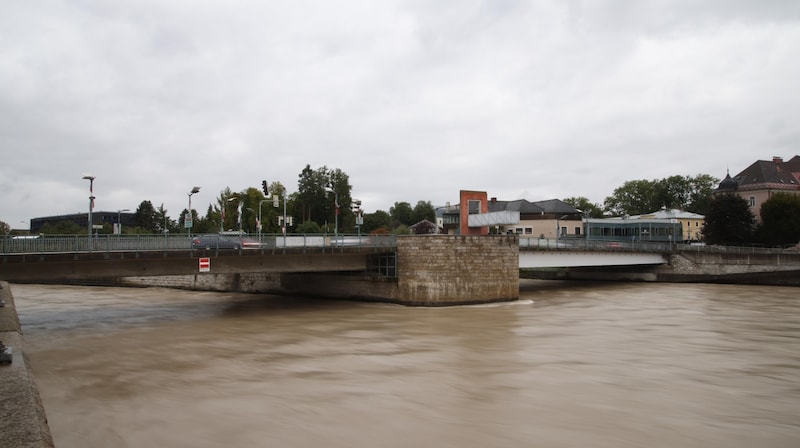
point(568, 365)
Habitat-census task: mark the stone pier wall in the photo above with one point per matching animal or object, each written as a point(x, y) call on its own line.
point(432, 270)
point(436, 270)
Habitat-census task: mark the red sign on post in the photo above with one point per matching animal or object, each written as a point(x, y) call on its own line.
point(205, 264)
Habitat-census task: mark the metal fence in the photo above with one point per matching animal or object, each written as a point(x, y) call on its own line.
point(40, 244)
point(582, 244)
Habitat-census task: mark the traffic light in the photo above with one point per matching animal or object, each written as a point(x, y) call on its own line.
point(264, 187)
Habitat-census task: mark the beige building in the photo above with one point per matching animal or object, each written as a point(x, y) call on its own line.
point(691, 223)
point(541, 219)
point(759, 181)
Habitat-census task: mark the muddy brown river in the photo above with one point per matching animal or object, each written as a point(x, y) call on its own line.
point(568, 365)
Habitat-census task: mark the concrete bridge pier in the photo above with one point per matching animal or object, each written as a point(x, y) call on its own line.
point(431, 270)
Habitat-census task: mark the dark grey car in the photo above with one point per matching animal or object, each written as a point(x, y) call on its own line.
point(214, 241)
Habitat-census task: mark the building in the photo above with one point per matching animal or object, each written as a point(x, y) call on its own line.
point(691, 223)
point(542, 219)
point(82, 220)
point(552, 218)
point(633, 230)
point(759, 181)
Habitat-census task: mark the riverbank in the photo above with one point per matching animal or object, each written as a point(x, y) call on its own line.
point(23, 423)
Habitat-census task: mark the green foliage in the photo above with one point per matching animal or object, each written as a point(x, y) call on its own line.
point(63, 228)
point(638, 197)
point(4, 228)
point(423, 210)
point(402, 214)
point(589, 208)
point(378, 221)
point(729, 221)
point(780, 220)
point(402, 229)
point(308, 227)
point(146, 218)
point(317, 194)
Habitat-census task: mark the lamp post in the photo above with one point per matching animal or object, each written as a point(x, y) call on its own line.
point(260, 222)
point(91, 206)
point(558, 228)
point(284, 224)
point(231, 199)
point(119, 221)
point(335, 211)
point(188, 221)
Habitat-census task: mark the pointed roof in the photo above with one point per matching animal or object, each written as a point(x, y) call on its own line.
point(773, 173)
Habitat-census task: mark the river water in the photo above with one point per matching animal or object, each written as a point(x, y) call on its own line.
point(568, 365)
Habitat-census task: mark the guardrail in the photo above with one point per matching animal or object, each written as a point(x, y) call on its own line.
point(41, 244)
point(580, 244)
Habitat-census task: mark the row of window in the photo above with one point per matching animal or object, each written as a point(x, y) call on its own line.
point(529, 231)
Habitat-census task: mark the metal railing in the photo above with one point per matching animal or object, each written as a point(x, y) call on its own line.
point(582, 244)
point(41, 244)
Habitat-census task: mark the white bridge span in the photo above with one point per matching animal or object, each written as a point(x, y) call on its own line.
point(564, 258)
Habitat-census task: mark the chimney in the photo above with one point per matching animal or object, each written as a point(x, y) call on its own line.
point(494, 200)
point(777, 160)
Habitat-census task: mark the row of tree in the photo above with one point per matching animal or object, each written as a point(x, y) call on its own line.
point(323, 203)
point(730, 221)
point(638, 197)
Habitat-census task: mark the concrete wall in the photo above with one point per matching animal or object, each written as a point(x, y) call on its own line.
point(694, 267)
point(436, 270)
point(23, 423)
point(250, 282)
point(432, 270)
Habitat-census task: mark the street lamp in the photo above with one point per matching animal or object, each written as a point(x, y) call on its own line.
point(188, 220)
point(330, 189)
point(91, 206)
point(558, 227)
point(231, 199)
point(119, 222)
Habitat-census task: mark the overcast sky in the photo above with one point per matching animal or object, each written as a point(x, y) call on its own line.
point(414, 100)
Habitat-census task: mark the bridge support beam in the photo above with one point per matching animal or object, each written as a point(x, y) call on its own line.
point(432, 270)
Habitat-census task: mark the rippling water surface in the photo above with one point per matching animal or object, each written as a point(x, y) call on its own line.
point(569, 365)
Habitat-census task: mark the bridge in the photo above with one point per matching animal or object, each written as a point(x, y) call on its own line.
point(415, 269)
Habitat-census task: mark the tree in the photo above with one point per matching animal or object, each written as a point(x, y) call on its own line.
point(401, 213)
point(380, 222)
point(637, 197)
point(4, 228)
point(318, 193)
point(728, 221)
point(780, 220)
point(163, 223)
point(589, 209)
point(700, 189)
point(146, 218)
point(308, 227)
point(634, 197)
point(311, 194)
point(424, 210)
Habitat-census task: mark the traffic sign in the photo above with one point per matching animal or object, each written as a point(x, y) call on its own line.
point(204, 264)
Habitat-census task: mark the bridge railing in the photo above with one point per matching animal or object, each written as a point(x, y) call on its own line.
point(40, 244)
point(582, 244)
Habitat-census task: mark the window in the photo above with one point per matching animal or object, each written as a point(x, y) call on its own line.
point(474, 207)
point(577, 230)
point(752, 201)
point(528, 230)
